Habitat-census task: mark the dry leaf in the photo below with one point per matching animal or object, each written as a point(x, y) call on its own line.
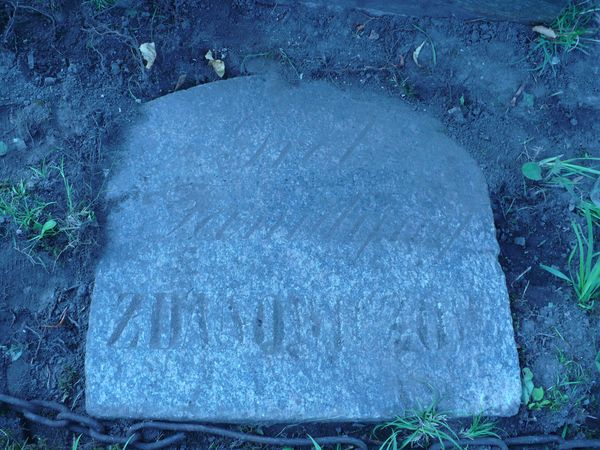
point(545, 31)
point(148, 50)
point(360, 28)
point(374, 35)
point(180, 80)
point(217, 64)
point(417, 52)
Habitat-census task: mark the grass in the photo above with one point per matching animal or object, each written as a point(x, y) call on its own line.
point(31, 215)
point(566, 173)
point(585, 207)
point(480, 428)
point(584, 265)
point(566, 391)
point(101, 5)
point(419, 428)
point(47, 218)
point(572, 30)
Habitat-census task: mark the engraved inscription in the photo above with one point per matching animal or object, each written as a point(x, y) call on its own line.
point(278, 325)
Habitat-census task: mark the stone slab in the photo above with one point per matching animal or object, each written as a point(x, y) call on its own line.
point(525, 11)
point(294, 253)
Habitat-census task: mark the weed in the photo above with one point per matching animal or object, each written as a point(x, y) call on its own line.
point(587, 207)
point(315, 444)
point(584, 276)
point(419, 428)
point(66, 382)
point(566, 173)
point(533, 397)
point(566, 388)
point(101, 5)
point(433, 52)
point(29, 214)
point(571, 31)
point(53, 225)
point(75, 444)
point(480, 427)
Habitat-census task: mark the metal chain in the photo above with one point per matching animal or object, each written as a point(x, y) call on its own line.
point(55, 415)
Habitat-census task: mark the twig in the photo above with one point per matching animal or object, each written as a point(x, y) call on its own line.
point(513, 102)
point(16, 7)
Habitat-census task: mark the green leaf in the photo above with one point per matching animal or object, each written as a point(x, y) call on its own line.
point(527, 374)
point(556, 272)
point(49, 225)
point(532, 171)
point(3, 148)
point(537, 394)
point(316, 446)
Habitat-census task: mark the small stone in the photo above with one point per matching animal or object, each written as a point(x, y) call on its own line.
point(19, 144)
point(520, 241)
point(115, 69)
point(457, 114)
point(31, 60)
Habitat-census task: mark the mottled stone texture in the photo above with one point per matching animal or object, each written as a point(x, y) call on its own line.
point(290, 253)
point(526, 11)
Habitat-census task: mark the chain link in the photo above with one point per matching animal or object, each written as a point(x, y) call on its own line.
point(56, 415)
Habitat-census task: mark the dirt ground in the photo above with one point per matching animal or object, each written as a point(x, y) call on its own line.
point(72, 77)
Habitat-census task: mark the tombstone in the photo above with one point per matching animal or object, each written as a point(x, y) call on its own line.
point(279, 253)
point(525, 11)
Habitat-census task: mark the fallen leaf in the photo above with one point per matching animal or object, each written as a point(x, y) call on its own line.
point(374, 35)
point(217, 64)
point(545, 31)
point(417, 52)
point(360, 28)
point(180, 81)
point(148, 50)
point(14, 352)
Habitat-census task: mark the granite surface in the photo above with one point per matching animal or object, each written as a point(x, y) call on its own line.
point(292, 253)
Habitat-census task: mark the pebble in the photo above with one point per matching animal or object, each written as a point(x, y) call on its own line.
point(31, 60)
point(520, 240)
point(457, 114)
point(115, 69)
point(19, 144)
